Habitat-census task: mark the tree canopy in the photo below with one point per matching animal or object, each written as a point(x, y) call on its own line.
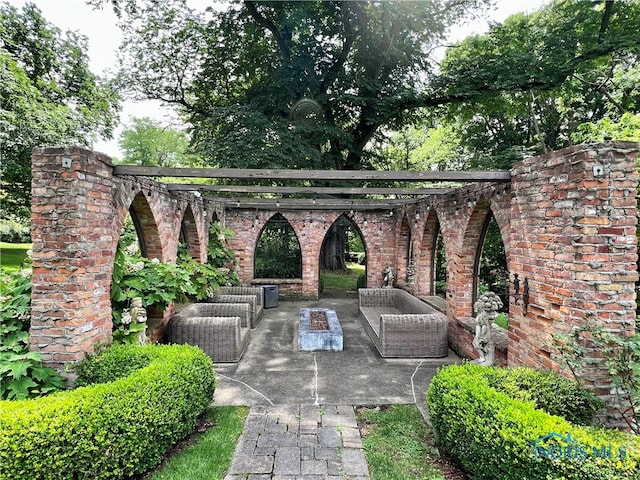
point(48, 96)
point(590, 96)
point(296, 84)
point(146, 142)
point(314, 84)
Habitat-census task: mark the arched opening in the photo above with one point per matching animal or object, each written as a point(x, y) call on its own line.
point(278, 253)
point(342, 259)
point(490, 270)
point(404, 251)
point(139, 241)
point(146, 227)
point(428, 264)
point(439, 266)
point(189, 241)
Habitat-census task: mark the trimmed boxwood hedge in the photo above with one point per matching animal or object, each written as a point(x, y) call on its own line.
point(493, 435)
point(108, 430)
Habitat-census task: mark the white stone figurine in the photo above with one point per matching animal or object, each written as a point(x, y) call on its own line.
point(388, 277)
point(486, 308)
point(139, 314)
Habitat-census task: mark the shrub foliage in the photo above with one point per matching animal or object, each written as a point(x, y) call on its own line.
point(108, 430)
point(22, 374)
point(494, 435)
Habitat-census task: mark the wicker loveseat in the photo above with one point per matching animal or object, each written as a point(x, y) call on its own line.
point(221, 330)
point(255, 310)
point(401, 325)
point(257, 291)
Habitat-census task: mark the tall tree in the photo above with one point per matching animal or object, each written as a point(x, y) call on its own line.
point(311, 84)
point(48, 96)
point(146, 142)
point(295, 84)
point(571, 64)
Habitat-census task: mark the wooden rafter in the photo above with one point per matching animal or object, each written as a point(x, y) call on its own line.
point(306, 190)
point(317, 175)
point(309, 204)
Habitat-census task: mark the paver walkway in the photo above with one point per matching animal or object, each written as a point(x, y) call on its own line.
point(307, 442)
point(302, 423)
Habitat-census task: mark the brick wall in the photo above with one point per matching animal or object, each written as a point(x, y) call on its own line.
point(311, 229)
point(73, 238)
point(573, 237)
point(78, 210)
point(568, 223)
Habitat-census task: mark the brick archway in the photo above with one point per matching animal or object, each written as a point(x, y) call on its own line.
point(567, 219)
point(426, 256)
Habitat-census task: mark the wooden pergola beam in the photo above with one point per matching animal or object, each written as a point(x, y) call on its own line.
point(306, 190)
point(317, 175)
point(313, 204)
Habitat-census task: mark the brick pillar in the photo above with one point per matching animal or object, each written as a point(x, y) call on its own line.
point(573, 238)
point(73, 236)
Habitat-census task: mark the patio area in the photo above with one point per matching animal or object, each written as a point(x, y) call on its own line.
point(273, 371)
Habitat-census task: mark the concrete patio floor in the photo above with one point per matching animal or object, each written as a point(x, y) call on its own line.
point(273, 372)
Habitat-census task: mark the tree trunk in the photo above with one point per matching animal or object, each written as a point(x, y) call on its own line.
point(333, 248)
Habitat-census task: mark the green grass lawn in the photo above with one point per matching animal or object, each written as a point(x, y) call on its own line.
point(12, 255)
point(208, 455)
point(397, 443)
point(342, 280)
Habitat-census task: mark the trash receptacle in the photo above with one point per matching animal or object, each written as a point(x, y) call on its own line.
point(270, 296)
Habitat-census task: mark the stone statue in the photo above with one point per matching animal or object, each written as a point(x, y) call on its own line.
point(486, 309)
point(388, 278)
point(139, 314)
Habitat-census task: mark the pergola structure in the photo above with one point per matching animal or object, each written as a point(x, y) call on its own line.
point(310, 196)
point(567, 220)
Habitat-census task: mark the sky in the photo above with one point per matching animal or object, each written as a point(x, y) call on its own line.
point(104, 38)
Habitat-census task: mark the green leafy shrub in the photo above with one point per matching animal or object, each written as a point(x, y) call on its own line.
point(111, 364)
point(13, 231)
point(109, 430)
point(362, 281)
point(621, 355)
point(548, 391)
point(493, 435)
point(157, 283)
point(21, 372)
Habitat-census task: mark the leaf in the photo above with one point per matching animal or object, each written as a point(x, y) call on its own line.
point(18, 389)
point(19, 369)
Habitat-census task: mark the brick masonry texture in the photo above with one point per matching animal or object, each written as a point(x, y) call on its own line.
point(571, 233)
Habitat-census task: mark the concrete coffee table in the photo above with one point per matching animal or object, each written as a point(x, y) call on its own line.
point(319, 329)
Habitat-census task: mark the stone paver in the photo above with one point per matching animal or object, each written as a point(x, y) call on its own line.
point(300, 443)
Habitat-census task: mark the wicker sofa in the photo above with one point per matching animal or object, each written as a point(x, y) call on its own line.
point(257, 291)
point(252, 300)
point(221, 330)
point(401, 325)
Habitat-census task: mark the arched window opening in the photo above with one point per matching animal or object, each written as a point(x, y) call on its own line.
point(342, 259)
point(188, 240)
point(128, 314)
point(278, 252)
point(404, 252)
point(491, 272)
point(439, 267)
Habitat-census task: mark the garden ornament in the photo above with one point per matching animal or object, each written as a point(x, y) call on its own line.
point(486, 309)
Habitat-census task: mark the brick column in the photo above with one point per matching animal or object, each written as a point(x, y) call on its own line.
point(573, 238)
point(73, 237)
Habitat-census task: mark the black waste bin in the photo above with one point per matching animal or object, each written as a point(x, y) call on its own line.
point(270, 296)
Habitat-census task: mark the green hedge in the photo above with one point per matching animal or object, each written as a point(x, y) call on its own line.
point(108, 430)
point(548, 391)
point(493, 435)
